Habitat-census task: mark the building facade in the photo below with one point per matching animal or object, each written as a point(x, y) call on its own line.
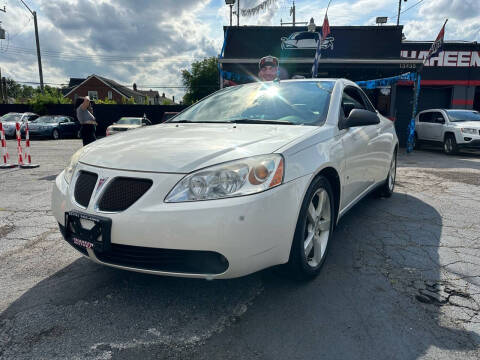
point(450, 80)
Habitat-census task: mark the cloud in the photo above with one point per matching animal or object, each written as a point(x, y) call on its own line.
point(150, 42)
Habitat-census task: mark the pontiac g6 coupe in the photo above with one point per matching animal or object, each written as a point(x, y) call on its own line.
point(250, 177)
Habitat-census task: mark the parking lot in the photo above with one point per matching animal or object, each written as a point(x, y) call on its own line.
point(402, 281)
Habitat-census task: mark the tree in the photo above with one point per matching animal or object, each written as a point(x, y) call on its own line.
point(201, 81)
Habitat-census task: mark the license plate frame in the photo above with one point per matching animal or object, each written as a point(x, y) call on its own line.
point(77, 235)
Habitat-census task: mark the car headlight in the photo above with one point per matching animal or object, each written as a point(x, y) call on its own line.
point(236, 178)
point(70, 169)
point(469, 131)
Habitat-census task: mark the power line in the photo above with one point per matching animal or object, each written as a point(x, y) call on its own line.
point(94, 57)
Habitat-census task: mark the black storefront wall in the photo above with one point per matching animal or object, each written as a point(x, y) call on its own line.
point(246, 44)
point(347, 42)
point(105, 114)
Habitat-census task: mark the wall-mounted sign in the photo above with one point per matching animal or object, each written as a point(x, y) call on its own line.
point(306, 40)
point(446, 58)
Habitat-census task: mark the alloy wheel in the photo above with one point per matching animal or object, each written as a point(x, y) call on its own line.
point(317, 229)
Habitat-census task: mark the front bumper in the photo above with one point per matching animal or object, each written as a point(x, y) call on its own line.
point(252, 232)
point(472, 144)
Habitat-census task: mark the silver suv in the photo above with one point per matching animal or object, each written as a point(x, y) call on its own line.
point(454, 129)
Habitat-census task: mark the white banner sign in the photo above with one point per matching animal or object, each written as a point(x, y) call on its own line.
point(446, 58)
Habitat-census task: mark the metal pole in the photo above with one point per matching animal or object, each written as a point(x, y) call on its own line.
point(399, 9)
point(1, 87)
point(38, 51)
point(231, 9)
point(238, 12)
point(293, 9)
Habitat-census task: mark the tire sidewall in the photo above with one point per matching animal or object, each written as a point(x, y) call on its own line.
point(453, 143)
point(53, 134)
point(297, 253)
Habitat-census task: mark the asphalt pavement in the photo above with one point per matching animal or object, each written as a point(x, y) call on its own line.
point(401, 281)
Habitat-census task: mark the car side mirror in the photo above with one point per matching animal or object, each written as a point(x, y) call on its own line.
point(359, 117)
point(440, 120)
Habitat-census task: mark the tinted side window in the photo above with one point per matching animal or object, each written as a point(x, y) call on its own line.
point(425, 117)
point(437, 118)
point(367, 101)
point(351, 99)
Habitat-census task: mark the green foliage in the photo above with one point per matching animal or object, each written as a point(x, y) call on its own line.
point(40, 101)
point(166, 102)
point(106, 101)
point(201, 81)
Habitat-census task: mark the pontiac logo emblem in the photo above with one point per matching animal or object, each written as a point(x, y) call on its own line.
point(101, 182)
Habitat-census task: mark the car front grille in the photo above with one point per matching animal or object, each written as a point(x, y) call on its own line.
point(119, 129)
point(84, 187)
point(168, 260)
point(122, 193)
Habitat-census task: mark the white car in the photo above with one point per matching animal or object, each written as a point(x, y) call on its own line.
point(453, 129)
point(250, 177)
point(306, 40)
point(127, 123)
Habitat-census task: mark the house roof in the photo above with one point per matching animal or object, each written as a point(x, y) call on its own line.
point(122, 90)
point(150, 93)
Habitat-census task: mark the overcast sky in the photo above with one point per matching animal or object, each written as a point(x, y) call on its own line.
point(149, 42)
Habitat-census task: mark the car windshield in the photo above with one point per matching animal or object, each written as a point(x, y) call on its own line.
point(457, 116)
point(47, 119)
point(130, 121)
point(289, 102)
point(11, 117)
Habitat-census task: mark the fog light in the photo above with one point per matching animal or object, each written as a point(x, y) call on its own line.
point(467, 139)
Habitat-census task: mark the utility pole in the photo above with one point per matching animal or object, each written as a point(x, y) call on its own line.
point(37, 40)
point(238, 12)
point(399, 10)
point(231, 10)
point(292, 12)
point(1, 88)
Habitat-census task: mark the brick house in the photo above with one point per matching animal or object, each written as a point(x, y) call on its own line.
point(99, 87)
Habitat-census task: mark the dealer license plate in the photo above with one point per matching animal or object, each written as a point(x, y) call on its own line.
point(88, 231)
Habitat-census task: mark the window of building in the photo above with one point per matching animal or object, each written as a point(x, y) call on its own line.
point(110, 95)
point(93, 95)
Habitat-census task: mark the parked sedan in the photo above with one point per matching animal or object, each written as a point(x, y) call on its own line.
point(252, 176)
point(55, 127)
point(9, 120)
point(127, 123)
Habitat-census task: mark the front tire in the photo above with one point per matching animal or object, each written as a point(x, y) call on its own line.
point(314, 230)
point(55, 134)
point(450, 146)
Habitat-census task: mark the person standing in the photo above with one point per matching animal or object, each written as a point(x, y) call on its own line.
point(86, 119)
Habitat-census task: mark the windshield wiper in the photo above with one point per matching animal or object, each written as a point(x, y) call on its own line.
point(260, 121)
point(198, 122)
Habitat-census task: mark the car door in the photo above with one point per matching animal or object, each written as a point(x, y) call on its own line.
point(420, 125)
point(357, 142)
point(426, 130)
point(437, 124)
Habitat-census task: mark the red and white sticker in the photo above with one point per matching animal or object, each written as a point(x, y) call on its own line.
point(82, 243)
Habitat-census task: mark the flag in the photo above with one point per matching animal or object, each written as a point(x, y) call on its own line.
point(437, 45)
point(325, 33)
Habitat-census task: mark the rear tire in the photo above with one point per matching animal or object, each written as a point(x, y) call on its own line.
point(314, 230)
point(386, 190)
point(450, 146)
point(416, 143)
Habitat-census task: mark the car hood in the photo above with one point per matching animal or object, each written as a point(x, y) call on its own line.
point(124, 126)
point(467, 124)
point(182, 148)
